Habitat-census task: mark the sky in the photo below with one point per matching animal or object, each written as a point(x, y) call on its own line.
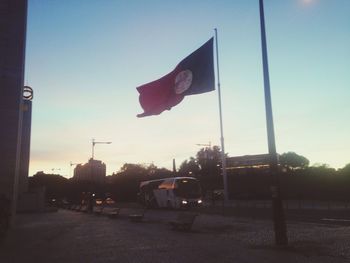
point(84, 60)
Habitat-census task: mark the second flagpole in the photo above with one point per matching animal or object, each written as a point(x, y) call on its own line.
point(223, 156)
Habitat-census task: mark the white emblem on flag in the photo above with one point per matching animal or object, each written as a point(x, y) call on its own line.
point(183, 81)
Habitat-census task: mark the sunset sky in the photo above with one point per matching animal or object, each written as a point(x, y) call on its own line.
point(84, 60)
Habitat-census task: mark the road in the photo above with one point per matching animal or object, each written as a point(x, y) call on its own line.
point(69, 236)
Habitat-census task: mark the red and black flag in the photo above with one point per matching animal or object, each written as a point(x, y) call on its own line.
point(193, 75)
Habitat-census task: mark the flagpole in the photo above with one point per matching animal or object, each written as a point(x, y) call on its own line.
point(223, 156)
point(277, 206)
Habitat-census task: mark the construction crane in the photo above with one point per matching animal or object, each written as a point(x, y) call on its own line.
point(71, 164)
point(93, 145)
point(55, 169)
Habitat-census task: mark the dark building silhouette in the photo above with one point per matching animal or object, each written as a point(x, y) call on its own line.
point(13, 19)
point(93, 171)
point(249, 177)
point(248, 164)
point(248, 161)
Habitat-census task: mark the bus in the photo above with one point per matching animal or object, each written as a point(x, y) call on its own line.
point(175, 192)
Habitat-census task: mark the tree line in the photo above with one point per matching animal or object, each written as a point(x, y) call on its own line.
point(298, 179)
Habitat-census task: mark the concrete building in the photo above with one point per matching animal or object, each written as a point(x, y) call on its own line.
point(13, 20)
point(93, 171)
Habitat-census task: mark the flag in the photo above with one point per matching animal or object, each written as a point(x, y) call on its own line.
point(193, 75)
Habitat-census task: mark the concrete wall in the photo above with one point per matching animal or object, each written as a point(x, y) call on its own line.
point(32, 201)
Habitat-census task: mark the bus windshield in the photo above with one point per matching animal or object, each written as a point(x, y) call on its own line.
point(188, 188)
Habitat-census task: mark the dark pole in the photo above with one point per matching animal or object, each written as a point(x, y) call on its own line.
point(223, 156)
point(174, 168)
point(278, 213)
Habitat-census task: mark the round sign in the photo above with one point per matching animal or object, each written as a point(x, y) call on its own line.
point(183, 81)
point(27, 93)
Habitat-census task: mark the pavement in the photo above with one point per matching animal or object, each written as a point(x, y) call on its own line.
point(70, 236)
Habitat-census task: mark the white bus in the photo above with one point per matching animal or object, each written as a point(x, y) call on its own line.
point(176, 192)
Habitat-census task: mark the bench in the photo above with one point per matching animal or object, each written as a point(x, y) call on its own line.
point(184, 221)
point(113, 213)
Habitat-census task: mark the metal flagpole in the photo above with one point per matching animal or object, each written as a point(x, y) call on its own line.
point(223, 156)
point(278, 213)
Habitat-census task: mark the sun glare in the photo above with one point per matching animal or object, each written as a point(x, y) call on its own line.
point(308, 2)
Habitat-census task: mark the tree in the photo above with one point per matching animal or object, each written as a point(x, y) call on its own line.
point(292, 161)
point(189, 167)
point(130, 169)
point(55, 185)
point(208, 157)
point(345, 170)
point(124, 185)
point(209, 160)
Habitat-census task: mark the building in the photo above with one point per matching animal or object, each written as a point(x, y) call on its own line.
point(13, 20)
point(93, 171)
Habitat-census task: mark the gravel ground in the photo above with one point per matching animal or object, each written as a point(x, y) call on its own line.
point(68, 236)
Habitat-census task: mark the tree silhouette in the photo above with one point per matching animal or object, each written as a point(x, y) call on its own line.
point(124, 185)
point(189, 168)
point(292, 160)
point(55, 185)
point(209, 160)
point(345, 171)
point(208, 157)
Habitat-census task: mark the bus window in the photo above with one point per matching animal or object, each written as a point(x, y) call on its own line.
point(188, 188)
point(167, 184)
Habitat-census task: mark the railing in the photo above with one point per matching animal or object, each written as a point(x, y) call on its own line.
point(288, 204)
